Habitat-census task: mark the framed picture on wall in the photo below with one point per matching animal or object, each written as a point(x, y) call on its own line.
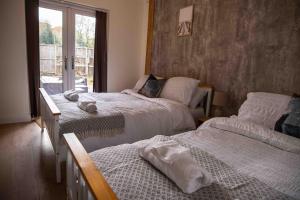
point(185, 21)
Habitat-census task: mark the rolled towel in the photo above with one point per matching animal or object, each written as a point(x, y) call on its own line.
point(90, 107)
point(176, 162)
point(85, 100)
point(71, 95)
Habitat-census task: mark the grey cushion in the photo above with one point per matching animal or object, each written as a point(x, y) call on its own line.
point(294, 105)
point(279, 123)
point(152, 87)
point(291, 126)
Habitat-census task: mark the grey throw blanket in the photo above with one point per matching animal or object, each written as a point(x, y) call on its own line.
point(107, 121)
point(131, 177)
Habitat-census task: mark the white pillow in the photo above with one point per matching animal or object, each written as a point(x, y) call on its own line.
point(179, 89)
point(141, 82)
point(197, 97)
point(264, 108)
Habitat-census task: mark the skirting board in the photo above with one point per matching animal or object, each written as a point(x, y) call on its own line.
point(10, 119)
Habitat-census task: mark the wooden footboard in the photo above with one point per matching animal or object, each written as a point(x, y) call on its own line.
point(84, 180)
point(49, 116)
point(49, 120)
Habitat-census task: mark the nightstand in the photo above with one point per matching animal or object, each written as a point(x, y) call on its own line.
point(203, 119)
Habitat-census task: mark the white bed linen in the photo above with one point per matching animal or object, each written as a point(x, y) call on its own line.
point(144, 118)
point(258, 132)
point(277, 168)
point(180, 89)
point(264, 108)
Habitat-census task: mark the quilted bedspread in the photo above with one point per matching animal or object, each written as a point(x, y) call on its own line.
point(131, 177)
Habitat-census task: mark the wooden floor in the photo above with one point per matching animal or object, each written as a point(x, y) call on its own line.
point(27, 164)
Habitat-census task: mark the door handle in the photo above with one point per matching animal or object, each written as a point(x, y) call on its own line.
point(66, 63)
point(73, 62)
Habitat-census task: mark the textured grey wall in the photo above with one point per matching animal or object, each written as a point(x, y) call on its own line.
point(236, 45)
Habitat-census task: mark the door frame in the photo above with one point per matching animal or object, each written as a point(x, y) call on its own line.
point(71, 12)
point(68, 35)
point(64, 39)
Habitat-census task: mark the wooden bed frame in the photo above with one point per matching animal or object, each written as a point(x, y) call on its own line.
point(50, 120)
point(84, 180)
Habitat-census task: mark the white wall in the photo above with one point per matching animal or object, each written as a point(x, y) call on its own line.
point(14, 99)
point(126, 51)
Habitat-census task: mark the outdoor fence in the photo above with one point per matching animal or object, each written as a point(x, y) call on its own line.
point(52, 62)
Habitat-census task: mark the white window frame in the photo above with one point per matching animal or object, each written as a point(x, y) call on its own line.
point(69, 11)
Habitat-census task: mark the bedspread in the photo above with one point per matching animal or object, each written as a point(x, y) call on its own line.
point(106, 121)
point(123, 112)
point(131, 177)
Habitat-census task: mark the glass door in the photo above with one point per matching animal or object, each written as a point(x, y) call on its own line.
point(52, 53)
point(83, 59)
point(67, 37)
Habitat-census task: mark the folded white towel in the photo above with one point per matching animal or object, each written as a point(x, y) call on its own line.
point(176, 162)
point(90, 107)
point(71, 95)
point(85, 100)
point(167, 151)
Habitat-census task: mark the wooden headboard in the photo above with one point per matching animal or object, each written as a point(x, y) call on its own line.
point(210, 91)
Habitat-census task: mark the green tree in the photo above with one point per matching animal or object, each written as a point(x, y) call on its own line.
point(85, 31)
point(80, 39)
point(46, 35)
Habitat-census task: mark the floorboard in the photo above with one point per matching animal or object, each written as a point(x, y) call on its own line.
point(27, 164)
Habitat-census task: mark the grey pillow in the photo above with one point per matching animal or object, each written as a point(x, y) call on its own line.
point(279, 123)
point(152, 87)
point(291, 125)
point(294, 104)
point(141, 82)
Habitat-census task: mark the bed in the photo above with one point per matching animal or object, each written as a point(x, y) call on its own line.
point(248, 160)
point(123, 117)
